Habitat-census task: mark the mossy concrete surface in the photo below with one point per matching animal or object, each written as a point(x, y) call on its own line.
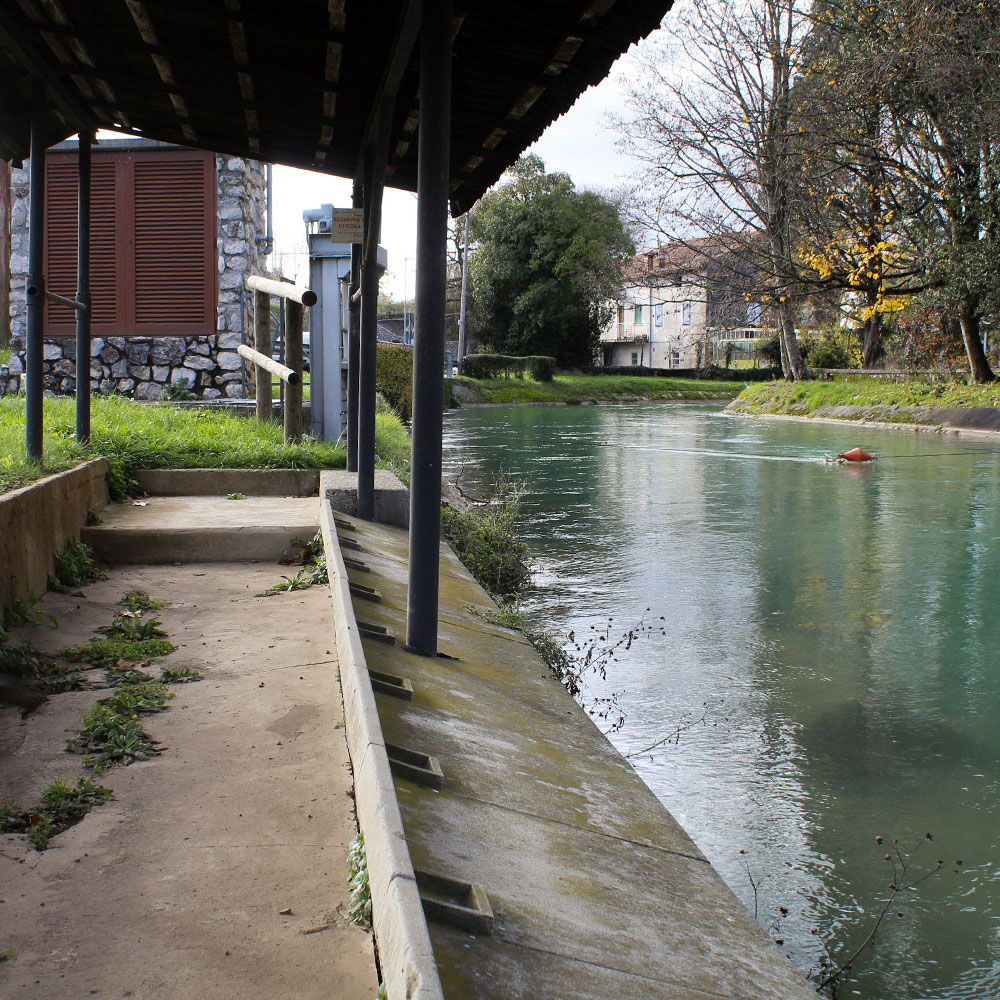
point(597, 892)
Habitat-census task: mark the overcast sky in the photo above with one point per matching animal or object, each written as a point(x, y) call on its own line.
point(581, 144)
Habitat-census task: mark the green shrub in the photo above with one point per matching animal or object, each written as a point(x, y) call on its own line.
point(485, 539)
point(394, 377)
point(482, 366)
point(827, 353)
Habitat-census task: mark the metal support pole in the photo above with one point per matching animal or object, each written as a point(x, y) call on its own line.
point(262, 343)
point(462, 311)
point(293, 359)
point(374, 178)
point(354, 345)
point(35, 285)
point(83, 316)
point(428, 353)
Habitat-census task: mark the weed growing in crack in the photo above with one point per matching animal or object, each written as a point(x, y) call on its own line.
point(108, 654)
point(49, 674)
point(313, 570)
point(74, 568)
point(181, 675)
point(62, 806)
point(360, 910)
point(133, 627)
point(139, 601)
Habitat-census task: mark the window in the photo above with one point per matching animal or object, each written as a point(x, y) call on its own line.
point(621, 315)
point(658, 314)
point(638, 314)
point(152, 242)
point(686, 314)
point(635, 357)
point(675, 359)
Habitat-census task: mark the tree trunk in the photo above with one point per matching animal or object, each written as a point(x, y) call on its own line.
point(791, 356)
point(872, 352)
point(978, 365)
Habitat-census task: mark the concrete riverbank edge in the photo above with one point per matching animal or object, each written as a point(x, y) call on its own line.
point(406, 958)
point(38, 520)
point(954, 420)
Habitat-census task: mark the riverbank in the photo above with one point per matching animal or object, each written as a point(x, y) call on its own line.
point(579, 389)
point(945, 407)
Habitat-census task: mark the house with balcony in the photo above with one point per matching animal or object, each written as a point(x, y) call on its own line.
point(685, 305)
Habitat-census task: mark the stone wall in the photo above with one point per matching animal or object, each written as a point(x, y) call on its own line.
point(156, 367)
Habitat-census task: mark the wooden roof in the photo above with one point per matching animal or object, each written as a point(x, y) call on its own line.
point(298, 82)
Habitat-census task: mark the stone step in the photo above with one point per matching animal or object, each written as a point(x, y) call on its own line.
point(220, 482)
point(201, 529)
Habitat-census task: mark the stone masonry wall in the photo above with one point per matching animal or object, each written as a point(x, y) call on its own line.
point(155, 367)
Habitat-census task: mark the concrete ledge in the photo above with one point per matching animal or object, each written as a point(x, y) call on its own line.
point(37, 521)
point(405, 953)
point(221, 482)
point(392, 498)
point(155, 545)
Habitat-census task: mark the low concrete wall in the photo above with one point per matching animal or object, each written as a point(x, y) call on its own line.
point(38, 520)
point(404, 946)
point(392, 498)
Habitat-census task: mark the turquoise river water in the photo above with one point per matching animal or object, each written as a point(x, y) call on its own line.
point(838, 627)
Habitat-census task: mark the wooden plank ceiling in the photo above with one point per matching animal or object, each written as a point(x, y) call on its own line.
point(296, 82)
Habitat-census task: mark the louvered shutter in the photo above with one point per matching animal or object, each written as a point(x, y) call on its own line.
point(61, 240)
point(174, 244)
point(152, 242)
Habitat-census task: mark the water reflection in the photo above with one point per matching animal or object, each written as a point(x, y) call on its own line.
point(839, 622)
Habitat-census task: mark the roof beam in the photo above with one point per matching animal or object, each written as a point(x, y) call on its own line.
point(244, 76)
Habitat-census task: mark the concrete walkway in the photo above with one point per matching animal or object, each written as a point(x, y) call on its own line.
point(219, 870)
point(505, 785)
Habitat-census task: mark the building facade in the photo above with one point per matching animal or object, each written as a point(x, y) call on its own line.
point(681, 308)
point(174, 234)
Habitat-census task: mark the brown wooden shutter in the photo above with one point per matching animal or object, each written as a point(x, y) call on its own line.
point(61, 240)
point(174, 243)
point(152, 242)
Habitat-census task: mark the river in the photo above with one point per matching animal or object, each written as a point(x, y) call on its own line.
point(836, 629)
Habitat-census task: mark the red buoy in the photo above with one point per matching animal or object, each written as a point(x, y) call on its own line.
point(856, 455)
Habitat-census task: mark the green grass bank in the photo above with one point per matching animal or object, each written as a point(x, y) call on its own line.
point(159, 436)
point(590, 389)
point(914, 401)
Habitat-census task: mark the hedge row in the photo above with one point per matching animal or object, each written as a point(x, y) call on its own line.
point(712, 372)
point(539, 367)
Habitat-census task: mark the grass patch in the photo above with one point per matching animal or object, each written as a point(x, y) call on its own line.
point(74, 568)
point(598, 388)
point(111, 739)
point(812, 398)
point(138, 435)
point(62, 806)
point(139, 601)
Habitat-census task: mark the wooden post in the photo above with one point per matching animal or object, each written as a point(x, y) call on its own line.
point(293, 359)
point(262, 343)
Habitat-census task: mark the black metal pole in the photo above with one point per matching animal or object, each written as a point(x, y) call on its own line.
point(353, 344)
point(428, 353)
point(374, 177)
point(35, 285)
point(83, 290)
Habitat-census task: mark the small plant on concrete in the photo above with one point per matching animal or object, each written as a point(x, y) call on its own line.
point(313, 571)
point(94, 517)
point(110, 653)
point(360, 910)
point(21, 611)
point(237, 496)
point(62, 806)
point(74, 568)
point(139, 601)
point(133, 627)
point(47, 673)
point(110, 739)
point(182, 675)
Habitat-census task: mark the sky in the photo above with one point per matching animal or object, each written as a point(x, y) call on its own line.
point(581, 144)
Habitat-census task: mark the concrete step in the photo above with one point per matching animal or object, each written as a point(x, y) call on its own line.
point(201, 529)
point(220, 482)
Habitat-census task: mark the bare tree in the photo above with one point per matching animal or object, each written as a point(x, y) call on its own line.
point(711, 115)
